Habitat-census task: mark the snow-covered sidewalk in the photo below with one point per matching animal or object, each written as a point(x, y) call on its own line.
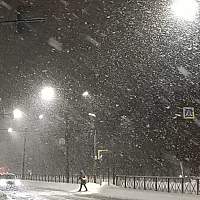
point(45, 190)
point(110, 191)
point(130, 194)
point(2, 196)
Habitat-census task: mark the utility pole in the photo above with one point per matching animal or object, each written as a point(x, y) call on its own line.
point(95, 154)
point(93, 123)
point(24, 155)
point(67, 140)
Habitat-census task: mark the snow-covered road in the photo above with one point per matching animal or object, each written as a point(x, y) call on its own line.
point(33, 190)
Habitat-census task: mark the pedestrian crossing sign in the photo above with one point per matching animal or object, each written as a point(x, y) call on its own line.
point(188, 113)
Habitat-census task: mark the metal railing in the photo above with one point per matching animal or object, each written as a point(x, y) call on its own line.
point(62, 178)
point(50, 178)
point(74, 178)
point(188, 185)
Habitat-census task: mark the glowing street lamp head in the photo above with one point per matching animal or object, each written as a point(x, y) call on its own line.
point(47, 93)
point(10, 130)
point(92, 114)
point(18, 114)
point(41, 116)
point(185, 9)
point(85, 94)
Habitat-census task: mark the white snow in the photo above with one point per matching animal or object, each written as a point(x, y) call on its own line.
point(44, 191)
point(2, 196)
point(65, 187)
point(183, 71)
point(130, 194)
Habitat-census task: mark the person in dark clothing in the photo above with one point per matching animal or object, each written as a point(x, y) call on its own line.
point(83, 180)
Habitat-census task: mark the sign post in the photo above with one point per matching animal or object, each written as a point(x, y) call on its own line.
point(188, 113)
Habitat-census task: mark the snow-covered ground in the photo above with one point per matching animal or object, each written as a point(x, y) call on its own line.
point(35, 190)
point(130, 194)
point(2, 196)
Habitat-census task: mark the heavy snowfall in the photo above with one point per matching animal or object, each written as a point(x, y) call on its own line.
point(121, 70)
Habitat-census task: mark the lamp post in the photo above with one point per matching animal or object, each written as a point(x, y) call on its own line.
point(67, 139)
point(18, 114)
point(48, 94)
point(24, 155)
point(95, 136)
point(10, 130)
point(86, 95)
point(93, 116)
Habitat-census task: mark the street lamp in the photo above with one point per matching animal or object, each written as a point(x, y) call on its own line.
point(86, 94)
point(185, 9)
point(41, 117)
point(92, 114)
point(24, 155)
point(10, 130)
point(48, 93)
point(95, 135)
point(18, 114)
point(94, 143)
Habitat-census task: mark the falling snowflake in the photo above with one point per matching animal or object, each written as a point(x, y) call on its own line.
point(55, 44)
point(4, 4)
point(183, 71)
point(92, 41)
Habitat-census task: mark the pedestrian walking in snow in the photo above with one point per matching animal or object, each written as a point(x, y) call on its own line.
point(83, 180)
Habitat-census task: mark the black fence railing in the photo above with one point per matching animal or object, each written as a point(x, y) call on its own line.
point(188, 185)
point(50, 178)
point(107, 176)
point(63, 179)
